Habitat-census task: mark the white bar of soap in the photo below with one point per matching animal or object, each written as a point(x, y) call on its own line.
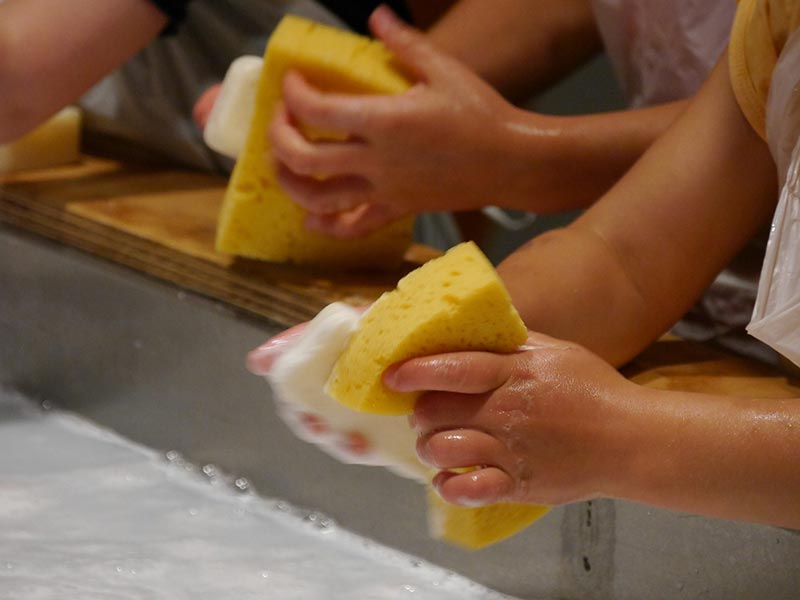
point(229, 121)
point(55, 142)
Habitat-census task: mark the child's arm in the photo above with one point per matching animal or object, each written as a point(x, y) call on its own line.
point(519, 47)
point(52, 51)
point(636, 261)
point(555, 424)
point(449, 143)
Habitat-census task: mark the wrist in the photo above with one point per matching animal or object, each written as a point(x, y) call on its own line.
point(545, 157)
point(630, 449)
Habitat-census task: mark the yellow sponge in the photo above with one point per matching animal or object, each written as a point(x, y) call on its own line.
point(475, 528)
point(451, 303)
point(258, 219)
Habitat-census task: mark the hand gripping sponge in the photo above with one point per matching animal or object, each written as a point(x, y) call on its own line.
point(452, 303)
point(258, 220)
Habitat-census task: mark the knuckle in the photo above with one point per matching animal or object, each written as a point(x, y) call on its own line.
point(300, 158)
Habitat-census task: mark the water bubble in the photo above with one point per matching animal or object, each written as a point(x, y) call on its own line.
point(283, 506)
point(193, 512)
point(409, 588)
point(241, 484)
point(118, 569)
point(264, 574)
point(173, 456)
point(46, 405)
point(210, 471)
point(416, 563)
point(325, 524)
point(320, 521)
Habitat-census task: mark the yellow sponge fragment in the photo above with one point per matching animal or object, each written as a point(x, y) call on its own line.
point(54, 143)
point(258, 219)
point(475, 528)
point(451, 303)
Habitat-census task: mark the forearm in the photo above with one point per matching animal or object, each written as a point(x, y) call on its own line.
point(52, 51)
point(633, 263)
point(555, 164)
point(568, 284)
point(519, 47)
point(720, 456)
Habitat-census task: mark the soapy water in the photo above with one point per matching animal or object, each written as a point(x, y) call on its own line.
point(87, 514)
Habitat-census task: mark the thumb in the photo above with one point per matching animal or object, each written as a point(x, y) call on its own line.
point(411, 47)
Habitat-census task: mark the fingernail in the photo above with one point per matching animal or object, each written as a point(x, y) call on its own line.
point(260, 360)
point(390, 377)
point(314, 423)
point(356, 443)
point(412, 421)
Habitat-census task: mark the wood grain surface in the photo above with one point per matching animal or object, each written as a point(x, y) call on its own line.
point(161, 222)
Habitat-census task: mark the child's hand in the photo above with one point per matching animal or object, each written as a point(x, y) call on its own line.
point(345, 435)
point(349, 445)
point(435, 147)
point(545, 425)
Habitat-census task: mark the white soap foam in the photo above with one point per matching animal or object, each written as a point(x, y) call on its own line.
point(299, 377)
point(86, 514)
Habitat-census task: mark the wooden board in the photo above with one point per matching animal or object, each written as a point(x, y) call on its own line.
point(181, 221)
point(680, 365)
point(161, 222)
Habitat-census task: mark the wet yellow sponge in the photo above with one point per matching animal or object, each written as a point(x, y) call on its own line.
point(258, 219)
point(475, 528)
point(451, 303)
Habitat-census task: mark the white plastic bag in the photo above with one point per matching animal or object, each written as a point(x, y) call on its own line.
point(663, 50)
point(776, 316)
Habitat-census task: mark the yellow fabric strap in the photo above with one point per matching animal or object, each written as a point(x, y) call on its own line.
point(760, 30)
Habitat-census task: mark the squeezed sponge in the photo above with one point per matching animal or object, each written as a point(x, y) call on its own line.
point(258, 220)
point(452, 303)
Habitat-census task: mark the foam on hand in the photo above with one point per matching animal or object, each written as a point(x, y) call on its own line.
point(299, 378)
